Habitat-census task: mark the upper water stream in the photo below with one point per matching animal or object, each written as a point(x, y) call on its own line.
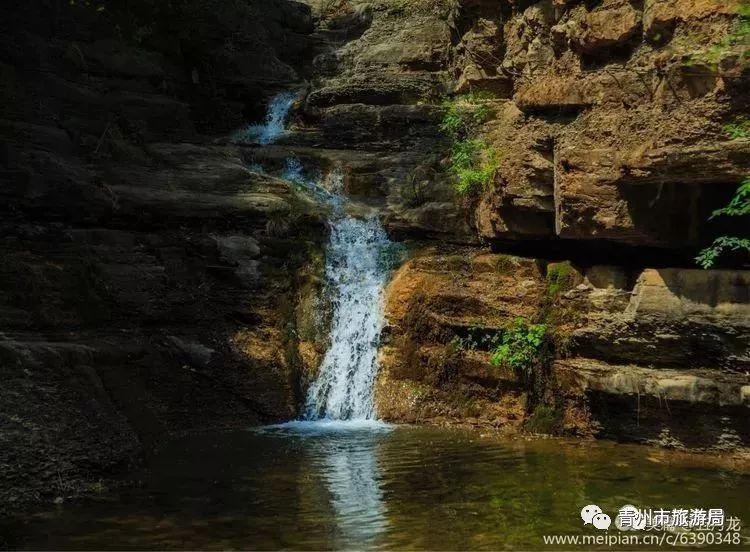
point(274, 124)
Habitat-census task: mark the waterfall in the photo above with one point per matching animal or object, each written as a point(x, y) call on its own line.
point(356, 272)
point(273, 127)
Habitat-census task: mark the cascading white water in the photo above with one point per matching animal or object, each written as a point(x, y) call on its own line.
point(273, 127)
point(357, 273)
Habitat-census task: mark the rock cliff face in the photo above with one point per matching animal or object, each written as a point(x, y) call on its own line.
point(607, 121)
point(153, 283)
point(642, 355)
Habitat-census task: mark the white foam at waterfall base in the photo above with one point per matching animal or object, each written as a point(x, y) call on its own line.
point(314, 428)
point(273, 127)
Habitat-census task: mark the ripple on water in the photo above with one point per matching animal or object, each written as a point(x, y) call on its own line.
point(369, 485)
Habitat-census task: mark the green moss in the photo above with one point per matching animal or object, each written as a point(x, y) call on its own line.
point(505, 264)
point(560, 277)
point(313, 308)
point(457, 263)
point(416, 390)
point(544, 420)
point(738, 129)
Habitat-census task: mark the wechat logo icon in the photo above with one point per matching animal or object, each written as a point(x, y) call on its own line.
point(593, 515)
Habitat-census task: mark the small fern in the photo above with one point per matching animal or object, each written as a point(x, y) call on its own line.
point(740, 204)
point(708, 257)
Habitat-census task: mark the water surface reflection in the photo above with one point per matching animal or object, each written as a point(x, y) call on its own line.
point(315, 487)
point(348, 464)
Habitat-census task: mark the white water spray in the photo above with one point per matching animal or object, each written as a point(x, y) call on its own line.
point(273, 127)
point(356, 272)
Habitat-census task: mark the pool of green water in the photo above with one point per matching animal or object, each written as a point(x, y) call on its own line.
point(376, 487)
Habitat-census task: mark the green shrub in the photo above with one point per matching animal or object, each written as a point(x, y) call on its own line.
point(523, 347)
point(472, 162)
point(708, 256)
point(464, 114)
point(740, 128)
point(739, 206)
point(476, 338)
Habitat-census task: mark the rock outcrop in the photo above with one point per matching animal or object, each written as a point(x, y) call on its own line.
point(619, 131)
point(607, 121)
point(152, 283)
point(656, 356)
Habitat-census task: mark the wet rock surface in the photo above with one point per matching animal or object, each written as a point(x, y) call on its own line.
point(640, 356)
point(150, 279)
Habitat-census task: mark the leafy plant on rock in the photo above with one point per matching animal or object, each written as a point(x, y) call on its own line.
point(471, 162)
point(524, 348)
point(738, 129)
point(463, 114)
point(739, 206)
